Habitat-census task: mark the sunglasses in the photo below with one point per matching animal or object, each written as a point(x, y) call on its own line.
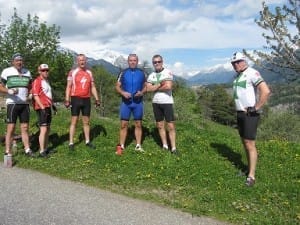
point(237, 62)
point(44, 70)
point(156, 62)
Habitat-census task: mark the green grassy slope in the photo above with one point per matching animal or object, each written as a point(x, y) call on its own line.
point(205, 179)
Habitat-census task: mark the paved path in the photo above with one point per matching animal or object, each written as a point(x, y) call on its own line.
point(31, 198)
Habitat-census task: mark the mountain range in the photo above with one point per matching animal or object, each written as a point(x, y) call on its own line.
point(113, 62)
point(221, 74)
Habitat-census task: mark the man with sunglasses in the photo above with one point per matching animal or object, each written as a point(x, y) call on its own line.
point(131, 85)
point(247, 84)
point(42, 104)
point(16, 82)
point(161, 83)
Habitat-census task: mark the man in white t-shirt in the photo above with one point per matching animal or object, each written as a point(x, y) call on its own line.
point(161, 82)
point(16, 82)
point(247, 86)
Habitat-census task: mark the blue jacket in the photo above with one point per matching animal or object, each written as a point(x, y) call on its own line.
point(132, 81)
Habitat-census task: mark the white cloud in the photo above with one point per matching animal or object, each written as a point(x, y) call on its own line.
point(146, 26)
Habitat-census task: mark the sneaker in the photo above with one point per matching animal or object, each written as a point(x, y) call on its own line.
point(165, 148)
point(29, 153)
point(250, 181)
point(175, 152)
point(119, 150)
point(43, 154)
point(71, 147)
point(139, 149)
point(90, 145)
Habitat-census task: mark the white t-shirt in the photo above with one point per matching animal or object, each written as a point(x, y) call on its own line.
point(161, 97)
point(19, 81)
point(244, 88)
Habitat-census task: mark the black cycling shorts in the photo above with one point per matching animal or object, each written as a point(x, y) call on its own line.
point(15, 111)
point(44, 116)
point(163, 111)
point(247, 125)
point(82, 105)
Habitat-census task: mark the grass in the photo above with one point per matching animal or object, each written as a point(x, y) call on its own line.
point(205, 179)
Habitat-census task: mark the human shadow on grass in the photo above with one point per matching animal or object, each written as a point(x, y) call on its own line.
point(54, 141)
point(157, 139)
point(131, 135)
point(95, 131)
point(233, 157)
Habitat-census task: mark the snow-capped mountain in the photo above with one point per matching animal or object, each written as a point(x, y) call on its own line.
point(224, 74)
point(111, 56)
point(221, 73)
point(114, 61)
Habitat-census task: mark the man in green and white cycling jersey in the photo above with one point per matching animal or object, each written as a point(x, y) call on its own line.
point(247, 84)
point(16, 82)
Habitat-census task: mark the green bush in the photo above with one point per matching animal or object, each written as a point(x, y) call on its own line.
point(280, 126)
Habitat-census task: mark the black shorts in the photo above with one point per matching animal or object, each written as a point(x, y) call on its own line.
point(15, 111)
point(44, 116)
point(82, 105)
point(247, 125)
point(163, 111)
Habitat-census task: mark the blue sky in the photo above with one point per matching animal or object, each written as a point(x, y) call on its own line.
point(190, 34)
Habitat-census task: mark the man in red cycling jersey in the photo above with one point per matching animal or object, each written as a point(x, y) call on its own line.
point(80, 86)
point(42, 104)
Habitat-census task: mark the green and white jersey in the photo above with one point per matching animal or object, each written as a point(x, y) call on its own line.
point(244, 88)
point(161, 97)
point(20, 81)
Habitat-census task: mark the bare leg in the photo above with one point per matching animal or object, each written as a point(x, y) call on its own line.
point(251, 152)
point(25, 135)
point(123, 131)
point(172, 134)
point(162, 132)
point(86, 127)
point(74, 120)
point(43, 138)
point(10, 130)
point(138, 131)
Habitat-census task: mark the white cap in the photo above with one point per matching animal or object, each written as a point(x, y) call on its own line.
point(44, 67)
point(17, 56)
point(238, 56)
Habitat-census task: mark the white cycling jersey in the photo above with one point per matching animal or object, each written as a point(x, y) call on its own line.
point(161, 97)
point(19, 81)
point(244, 88)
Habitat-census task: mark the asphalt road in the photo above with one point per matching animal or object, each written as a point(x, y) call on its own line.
point(31, 198)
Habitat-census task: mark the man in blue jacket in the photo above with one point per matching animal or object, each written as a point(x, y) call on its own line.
point(131, 85)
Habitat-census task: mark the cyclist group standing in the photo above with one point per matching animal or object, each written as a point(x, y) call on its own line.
point(132, 83)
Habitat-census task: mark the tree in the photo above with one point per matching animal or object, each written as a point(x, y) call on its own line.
point(38, 43)
point(217, 104)
point(282, 39)
point(105, 84)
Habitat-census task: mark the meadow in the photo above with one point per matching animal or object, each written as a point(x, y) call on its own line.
point(207, 178)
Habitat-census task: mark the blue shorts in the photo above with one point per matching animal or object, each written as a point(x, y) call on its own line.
point(137, 109)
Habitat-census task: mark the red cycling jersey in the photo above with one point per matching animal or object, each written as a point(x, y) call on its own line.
point(81, 82)
point(41, 88)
